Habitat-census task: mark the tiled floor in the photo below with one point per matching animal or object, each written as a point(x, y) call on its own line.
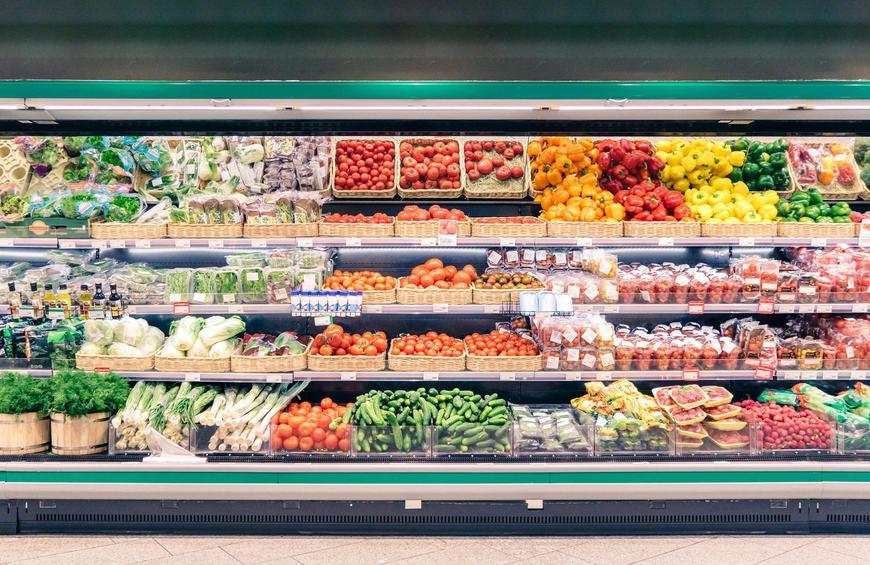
point(313, 550)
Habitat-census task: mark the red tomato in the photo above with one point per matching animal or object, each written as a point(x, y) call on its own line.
point(306, 443)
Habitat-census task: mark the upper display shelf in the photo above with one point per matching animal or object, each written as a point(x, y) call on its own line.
point(279, 100)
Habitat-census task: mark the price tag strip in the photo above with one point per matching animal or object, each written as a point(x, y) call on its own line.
point(765, 306)
point(696, 307)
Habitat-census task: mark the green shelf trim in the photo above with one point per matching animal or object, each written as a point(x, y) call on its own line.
point(445, 90)
point(443, 478)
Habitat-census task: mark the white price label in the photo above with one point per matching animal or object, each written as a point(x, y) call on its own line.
point(182, 243)
point(353, 242)
point(199, 297)
point(691, 374)
point(258, 243)
point(764, 373)
point(864, 233)
point(132, 310)
point(507, 376)
point(99, 244)
point(321, 321)
point(446, 240)
point(118, 244)
point(142, 244)
point(746, 242)
point(507, 242)
point(235, 309)
point(574, 376)
point(66, 244)
point(428, 242)
point(181, 308)
point(786, 308)
point(765, 306)
point(216, 243)
point(695, 307)
point(583, 242)
point(192, 377)
point(603, 375)
point(829, 375)
point(430, 376)
point(374, 308)
point(304, 242)
point(809, 375)
point(806, 308)
point(818, 242)
point(860, 308)
point(491, 309)
point(346, 376)
point(7, 242)
point(858, 375)
point(611, 308)
point(440, 308)
point(190, 169)
point(666, 242)
point(824, 308)
point(274, 378)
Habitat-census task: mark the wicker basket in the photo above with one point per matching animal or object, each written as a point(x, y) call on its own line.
point(811, 230)
point(513, 190)
point(360, 194)
point(430, 228)
point(433, 295)
point(194, 364)
point(113, 363)
point(204, 231)
point(766, 229)
point(585, 229)
point(536, 229)
point(328, 229)
point(421, 364)
point(662, 229)
point(119, 230)
point(498, 296)
point(13, 166)
point(347, 363)
point(429, 193)
point(379, 296)
point(269, 364)
point(257, 231)
point(497, 364)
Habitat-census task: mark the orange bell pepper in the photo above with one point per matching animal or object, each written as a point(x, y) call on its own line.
point(540, 182)
point(614, 211)
point(548, 155)
point(562, 163)
point(589, 190)
point(604, 197)
point(587, 215)
point(534, 148)
point(588, 178)
point(554, 177)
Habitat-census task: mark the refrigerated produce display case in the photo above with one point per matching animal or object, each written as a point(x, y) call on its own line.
point(434, 307)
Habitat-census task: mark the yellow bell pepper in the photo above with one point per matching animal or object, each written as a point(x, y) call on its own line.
point(767, 212)
point(737, 158)
point(752, 218)
point(688, 164)
point(677, 172)
point(721, 184)
point(695, 176)
point(740, 187)
point(704, 212)
point(707, 159)
point(742, 208)
point(682, 185)
point(770, 196)
point(719, 197)
point(699, 198)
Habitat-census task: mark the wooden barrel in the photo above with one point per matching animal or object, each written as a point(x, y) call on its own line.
point(21, 434)
point(80, 435)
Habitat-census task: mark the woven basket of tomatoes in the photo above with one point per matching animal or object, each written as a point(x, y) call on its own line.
point(337, 350)
point(516, 226)
point(426, 352)
point(433, 283)
point(364, 168)
point(501, 351)
point(376, 288)
point(494, 168)
point(304, 427)
point(414, 221)
point(430, 168)
point(349, 225)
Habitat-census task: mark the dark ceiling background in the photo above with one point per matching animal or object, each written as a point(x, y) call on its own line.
point(435, 40)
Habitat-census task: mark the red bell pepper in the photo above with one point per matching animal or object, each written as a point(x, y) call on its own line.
point(659, 213)
point(651, 201)
point(626, 145)
point(604, 160)
point(618, 172)
point(638, 190)
point(613, 186)
point(605, 145)
point(620, 196)
point(633, 161)
point(660, 192)
point(630, 180)
point(633, 204)
point(673, 199)
point(644, 146)
point(682, 211)
point(645, 216)
point(617, 154)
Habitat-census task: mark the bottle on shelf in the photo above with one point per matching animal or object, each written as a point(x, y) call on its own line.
point(98, 307)
point(115, 307)
point(84, 301)
point(13, 298)
point(48, 298)
point(34, 299)
point(63, 300)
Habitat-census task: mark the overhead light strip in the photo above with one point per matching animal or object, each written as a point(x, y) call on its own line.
point(341, 108)
point(11, 107)
point(113, 107)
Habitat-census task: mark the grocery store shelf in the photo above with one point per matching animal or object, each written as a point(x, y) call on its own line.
point(436, 242)
point(33, 242)
point(537, 376)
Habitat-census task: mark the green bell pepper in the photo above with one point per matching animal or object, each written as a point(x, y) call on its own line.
point(736, 174)
point(841, 219)
point(778, 160)
point(841, 209)
point(798, 209)
point(824, 209)
point(740, 144)
point(787, 219)
point(765, 168)
point(806, 220)
point(781, 144)
point(781, 180)
point(756, 148)
point(824, 220)
point(770, 148)
point(750, 171)
point(784, 208)
point(800, 197)
point(765, 182)
point(815, 196)
point(813, 212)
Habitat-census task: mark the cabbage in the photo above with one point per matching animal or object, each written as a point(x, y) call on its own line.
point(212, 320)
point(98, 332)
point(185, 331)
point(124, 350)
point(153, 333)
point(223, 349)
point(91, 348)
point(152, 341)
point(130, 330)
point(199, 349)
point(170, 349)
point(220, 331)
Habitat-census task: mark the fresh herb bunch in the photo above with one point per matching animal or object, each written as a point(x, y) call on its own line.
point(20, 394)
point(124, 208)
point(76, 393)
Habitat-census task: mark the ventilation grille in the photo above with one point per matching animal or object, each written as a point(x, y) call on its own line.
point(848, 518)
point(413, 519)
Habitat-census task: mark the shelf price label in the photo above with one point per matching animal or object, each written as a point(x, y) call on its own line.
point(507, 242)
point(304, 242)
point(583, 242)
point(322, 320)
point(142, 244)
point(347, 376)
point(765, 306)
point(507, 376)
point(274, 378)
point(860, 308)
point(764, 373)
point(103, 370)
point(574, 376)
point(696, 307)
point(430, 376)
point(373, 308)
point(446, 240)
point(806, 308)
point(258, 243)
point(440, 308)
point(864, 233)
point(182, 243)
point(491, 309)
point(691, 374)
point(824, 308)
point(216, 244)
point(6, 242)
point(235, 309)
point(746, 242)
point(786, 308)
point(66, 244)
point(353, 242)
point(181, 308)
point(192, 377)
point(818, 242)
point(666, 242)
point(118, 243)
